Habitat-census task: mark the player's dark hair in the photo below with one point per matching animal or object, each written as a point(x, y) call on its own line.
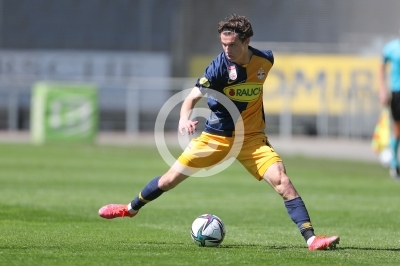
point(238, 24)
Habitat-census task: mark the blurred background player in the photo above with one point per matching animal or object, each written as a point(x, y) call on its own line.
point(391, 55)
point(239, 72)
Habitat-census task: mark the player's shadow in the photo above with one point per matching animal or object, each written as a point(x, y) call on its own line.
point(370, 249)
point(302, 247)
point(258, 246)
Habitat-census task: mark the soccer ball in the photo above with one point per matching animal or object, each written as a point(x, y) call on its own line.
point(208, 230)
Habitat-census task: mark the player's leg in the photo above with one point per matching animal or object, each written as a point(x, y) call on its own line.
point(202, 152)
point(261, 160)
point(395, 138)
point(155, 188)
point(277, 178)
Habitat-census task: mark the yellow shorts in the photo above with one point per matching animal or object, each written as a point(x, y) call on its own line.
point(256, 154)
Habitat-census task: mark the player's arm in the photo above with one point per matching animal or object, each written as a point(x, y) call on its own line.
point(383, 90)
point(185, 124)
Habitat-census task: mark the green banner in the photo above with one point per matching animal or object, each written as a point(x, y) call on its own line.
point(64, 112)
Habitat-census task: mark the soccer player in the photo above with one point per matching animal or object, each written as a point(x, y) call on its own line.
point(239, 73)
point(391, 54)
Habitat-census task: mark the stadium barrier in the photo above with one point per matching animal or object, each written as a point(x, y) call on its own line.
point(321, 95)
point(124, 107)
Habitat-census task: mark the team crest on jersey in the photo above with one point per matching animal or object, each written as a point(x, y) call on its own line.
point(261, 73)
point(204, 82)
point(244, 92)
point(232, 72)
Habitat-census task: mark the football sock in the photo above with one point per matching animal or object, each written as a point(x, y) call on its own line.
point(310, 240)
point(150, 192)
point(394, 145)
point(299, 215)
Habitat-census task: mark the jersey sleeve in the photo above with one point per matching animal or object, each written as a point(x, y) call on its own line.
point(270, 56)
point(210, 77)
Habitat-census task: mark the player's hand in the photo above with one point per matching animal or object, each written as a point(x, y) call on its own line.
point(187, 125)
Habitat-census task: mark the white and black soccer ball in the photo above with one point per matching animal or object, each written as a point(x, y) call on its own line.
point(208, 230)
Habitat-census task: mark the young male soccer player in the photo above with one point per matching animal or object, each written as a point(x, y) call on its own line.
point(239, 73)
point(391, 54)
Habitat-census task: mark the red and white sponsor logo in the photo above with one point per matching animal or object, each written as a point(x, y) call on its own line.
point(232, 72)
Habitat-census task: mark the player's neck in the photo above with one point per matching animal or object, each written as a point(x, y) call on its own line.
point(246, 58)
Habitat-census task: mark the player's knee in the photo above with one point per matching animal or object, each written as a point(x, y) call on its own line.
point(275, 174)
point(287, 190)
point(280, 184)
point(277, 178)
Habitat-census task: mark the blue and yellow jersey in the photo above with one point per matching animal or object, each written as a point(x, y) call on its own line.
point(243, 85)
point(391, 53)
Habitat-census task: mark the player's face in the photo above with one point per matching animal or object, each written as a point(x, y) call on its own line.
point(235, 50)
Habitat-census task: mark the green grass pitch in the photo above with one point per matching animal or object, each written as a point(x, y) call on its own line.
point(50, 195)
